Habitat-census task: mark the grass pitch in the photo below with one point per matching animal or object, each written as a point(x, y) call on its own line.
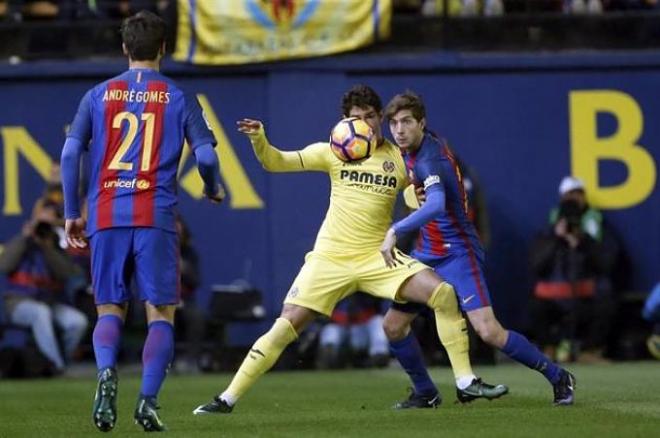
point(621, 400)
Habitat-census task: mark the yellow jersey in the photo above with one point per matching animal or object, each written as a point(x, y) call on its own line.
point(362, 194)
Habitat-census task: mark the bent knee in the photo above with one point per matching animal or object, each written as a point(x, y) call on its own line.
point(395, 328)
point(77, 321)
point(299, 317)
point(394, 332)
point(42, 313)
point(443, 298)
point(491, 333)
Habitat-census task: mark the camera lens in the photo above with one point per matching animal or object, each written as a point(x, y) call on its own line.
point(43, 229)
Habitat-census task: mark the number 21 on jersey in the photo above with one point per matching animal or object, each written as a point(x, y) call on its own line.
point(149, 121)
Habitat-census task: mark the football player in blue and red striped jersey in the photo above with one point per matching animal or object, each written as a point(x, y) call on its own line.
point(449, 243)
point(133, 127)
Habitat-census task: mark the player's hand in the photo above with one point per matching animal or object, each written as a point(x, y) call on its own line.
point(562, 231)
point(219, 195)
point(572, 240)
point(250, 127)
point(387, 249)
point(75, 232)
point(28, 228)
point(561, 227)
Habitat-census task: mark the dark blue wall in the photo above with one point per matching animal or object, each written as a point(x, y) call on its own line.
point(509, 119)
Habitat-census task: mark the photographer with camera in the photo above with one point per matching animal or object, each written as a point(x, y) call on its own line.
point(37, 271)
point(572, 260)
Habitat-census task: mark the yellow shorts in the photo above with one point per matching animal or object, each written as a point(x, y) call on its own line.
point(325, 279)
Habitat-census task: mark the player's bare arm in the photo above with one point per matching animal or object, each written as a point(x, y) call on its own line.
point(271, 158)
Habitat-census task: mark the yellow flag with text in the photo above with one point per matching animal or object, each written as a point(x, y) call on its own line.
point(245, 31)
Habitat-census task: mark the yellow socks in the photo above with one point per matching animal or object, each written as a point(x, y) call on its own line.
point(452, 329)
point(263, 354)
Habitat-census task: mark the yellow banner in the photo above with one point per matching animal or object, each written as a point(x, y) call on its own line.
point(246, 31)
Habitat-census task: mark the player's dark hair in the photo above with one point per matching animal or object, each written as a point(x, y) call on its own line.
point(143, 35)
point(407, 100)
point(360, 96)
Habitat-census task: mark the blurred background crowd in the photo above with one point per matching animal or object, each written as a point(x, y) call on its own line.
point(580, 308)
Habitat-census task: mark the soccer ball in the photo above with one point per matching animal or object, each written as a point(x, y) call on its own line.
point(352, 140)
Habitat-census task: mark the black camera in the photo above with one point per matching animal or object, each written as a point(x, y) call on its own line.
point(572, 212)
point(43, 230)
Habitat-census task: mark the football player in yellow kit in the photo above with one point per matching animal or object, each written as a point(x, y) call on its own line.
point(346, 256)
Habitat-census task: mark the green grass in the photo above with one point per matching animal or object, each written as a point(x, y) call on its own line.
point(621, 400)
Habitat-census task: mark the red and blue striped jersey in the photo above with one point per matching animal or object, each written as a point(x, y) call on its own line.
point(135, 125)
point(452, 231)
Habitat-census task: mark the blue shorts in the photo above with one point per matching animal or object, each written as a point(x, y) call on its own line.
point(464, 272)
point(146, 258)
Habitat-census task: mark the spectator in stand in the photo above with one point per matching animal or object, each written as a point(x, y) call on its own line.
point(126, 8)
point(408, 6)
point(37, 271)
point(354, 335)
point(467, 8)
point(583, 6)
point(572, 260)
point(53, 197)
point(17, 10)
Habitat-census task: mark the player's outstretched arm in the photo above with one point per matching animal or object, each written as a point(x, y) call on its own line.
point(209, 170)
point(271, 158)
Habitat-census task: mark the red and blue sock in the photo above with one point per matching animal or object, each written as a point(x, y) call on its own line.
point(156, 357)
point(106, 338)
point(519, 348)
